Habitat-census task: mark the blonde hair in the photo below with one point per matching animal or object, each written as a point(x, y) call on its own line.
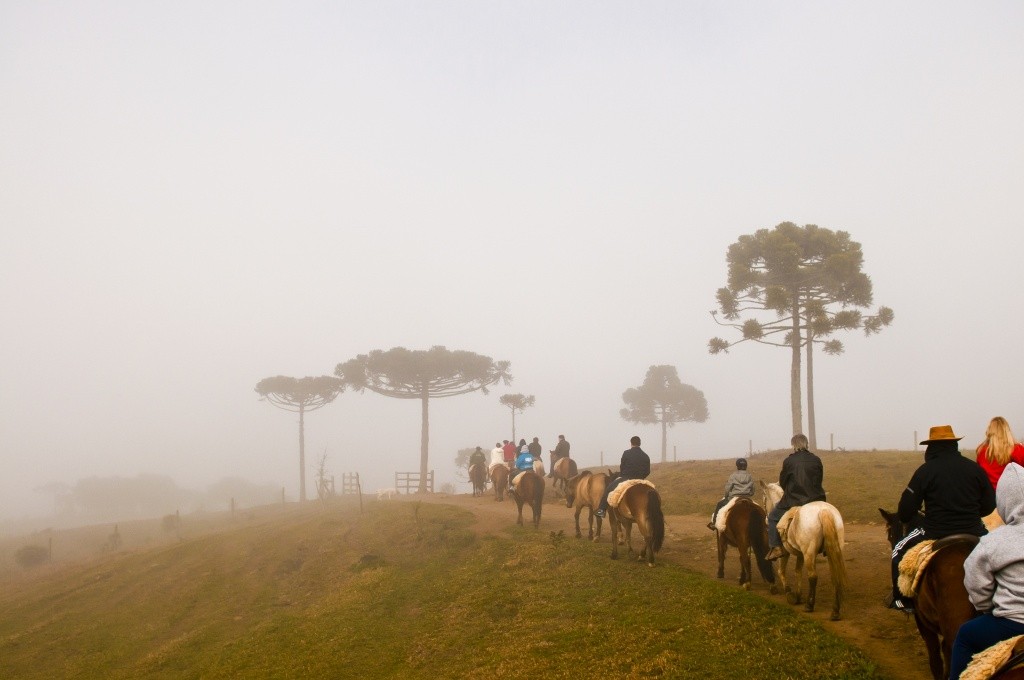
point(998, 440)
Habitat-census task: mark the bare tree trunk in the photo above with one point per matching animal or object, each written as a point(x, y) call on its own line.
point(513, 426)
point(302, 453)
point(812, 436)
point(794, 370)
point(424, 439)
point(664, 437)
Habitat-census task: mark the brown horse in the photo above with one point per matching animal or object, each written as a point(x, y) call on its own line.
point(584, 491)
point(478, 477)
point(529, 489)
point(746, 529)
point(941, 604)
point(499, 479)
point(640, 504)
point(562, 471)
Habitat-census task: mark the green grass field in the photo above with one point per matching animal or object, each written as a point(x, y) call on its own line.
point(406, 590)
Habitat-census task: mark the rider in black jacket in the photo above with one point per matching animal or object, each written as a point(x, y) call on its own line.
point(955, 493)
point(800, 479)
point(635, 464)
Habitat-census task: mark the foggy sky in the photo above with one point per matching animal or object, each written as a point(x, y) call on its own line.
point(195, 196)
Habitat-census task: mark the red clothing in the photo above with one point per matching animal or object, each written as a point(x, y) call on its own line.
point(995, 470)
point(510, 452)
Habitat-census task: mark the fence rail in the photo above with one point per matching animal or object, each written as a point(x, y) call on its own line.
point(410, 482)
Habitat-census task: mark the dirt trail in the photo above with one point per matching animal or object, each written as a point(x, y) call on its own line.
point(889, 638)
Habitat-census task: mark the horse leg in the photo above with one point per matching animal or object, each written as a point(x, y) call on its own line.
point(936, 663)
point(746, 575)
point(720, 540)
point(597, 534)
point(812, 581)
point(579, 534)
point(538, 506)
point(797, 596)
point(519, 503)
point(628, 532)
point(615, 534)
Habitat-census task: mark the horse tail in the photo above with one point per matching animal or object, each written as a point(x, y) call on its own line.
point(656, 519)
point(834, 551)
point(573, 470)
point(538, 494)
point(758, 533)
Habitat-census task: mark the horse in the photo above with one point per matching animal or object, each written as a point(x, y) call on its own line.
point(499, 479)
point(478, 477)
point(816, 527)
point(640, 504)
point(529, 489)
point(745, 528)
point(941, 604)
point(585, 491)
point(562, 471)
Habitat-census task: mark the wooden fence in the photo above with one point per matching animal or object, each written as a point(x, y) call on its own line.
point(410, 482)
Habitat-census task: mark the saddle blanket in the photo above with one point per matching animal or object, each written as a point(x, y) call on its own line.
point(988, 662)
point(616, 495)
point(786, 520)
point(490, 470)
point(723, 514)
point(912, 566)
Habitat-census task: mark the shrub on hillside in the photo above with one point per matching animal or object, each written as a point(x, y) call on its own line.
point(29, 556)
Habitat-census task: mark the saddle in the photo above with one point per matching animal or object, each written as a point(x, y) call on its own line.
point(914, 562)
point(723, 514)
point(994, 660)
point(615, 497)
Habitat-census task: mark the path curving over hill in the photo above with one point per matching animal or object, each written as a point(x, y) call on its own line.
point(889, 638)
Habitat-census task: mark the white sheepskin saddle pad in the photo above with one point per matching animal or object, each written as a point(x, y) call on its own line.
point(912, 566)
point(988, 662)
point(615, 497)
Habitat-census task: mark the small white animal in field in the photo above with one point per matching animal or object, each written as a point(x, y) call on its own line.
point(386, 494)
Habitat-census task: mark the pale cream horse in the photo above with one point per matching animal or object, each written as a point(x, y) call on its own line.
point(812, 528)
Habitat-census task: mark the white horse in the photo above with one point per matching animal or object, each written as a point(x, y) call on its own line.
point(813, 528)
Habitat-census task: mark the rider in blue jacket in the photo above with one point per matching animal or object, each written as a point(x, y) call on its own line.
point(523, 463)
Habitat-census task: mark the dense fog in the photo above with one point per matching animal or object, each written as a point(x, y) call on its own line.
point(196, 198)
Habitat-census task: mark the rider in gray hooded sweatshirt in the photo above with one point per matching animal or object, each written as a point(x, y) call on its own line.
point(994, 577)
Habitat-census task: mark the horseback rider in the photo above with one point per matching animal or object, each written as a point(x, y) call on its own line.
point(955, 493)
point(740, 483)
point(560, 451)
point(497, 455)
point(994, 577)
point(477, 456)
point(800, 479)
point(524, 462)
point(635, 464)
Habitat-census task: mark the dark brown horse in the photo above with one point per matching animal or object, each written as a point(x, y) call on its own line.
point(562, 471)
point(745, 528)
point(529, 488)
point(478, 477)
point(640, 504)
point(941, 604)
point(499, 478)
point(584, 491)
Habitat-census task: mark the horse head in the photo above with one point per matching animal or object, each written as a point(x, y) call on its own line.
point(772, 495)
point(894, 528)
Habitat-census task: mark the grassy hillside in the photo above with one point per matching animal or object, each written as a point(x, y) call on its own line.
point(404, 590)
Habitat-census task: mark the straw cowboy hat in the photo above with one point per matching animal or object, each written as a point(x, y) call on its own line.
point(941, 433)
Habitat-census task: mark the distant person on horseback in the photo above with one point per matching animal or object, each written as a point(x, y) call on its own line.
point(994, 577)
point(497, 455)
point(800, 479)
point(509, 450)
point(740, 483)
point(560, 451)
point(955, 493)
point(524, 462)
point(535, 448)
point(635, 464)
point(477, 456)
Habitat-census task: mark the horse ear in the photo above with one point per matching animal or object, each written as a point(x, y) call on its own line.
point(887, 516)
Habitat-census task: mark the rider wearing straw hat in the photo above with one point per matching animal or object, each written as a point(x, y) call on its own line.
point(955, 493)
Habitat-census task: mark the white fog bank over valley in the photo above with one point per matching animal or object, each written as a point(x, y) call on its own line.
point(197, 196)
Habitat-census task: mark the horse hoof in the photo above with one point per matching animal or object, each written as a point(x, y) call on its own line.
point(792, 599)
point(745, 586)
point(834, 617)
point(808, 607)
